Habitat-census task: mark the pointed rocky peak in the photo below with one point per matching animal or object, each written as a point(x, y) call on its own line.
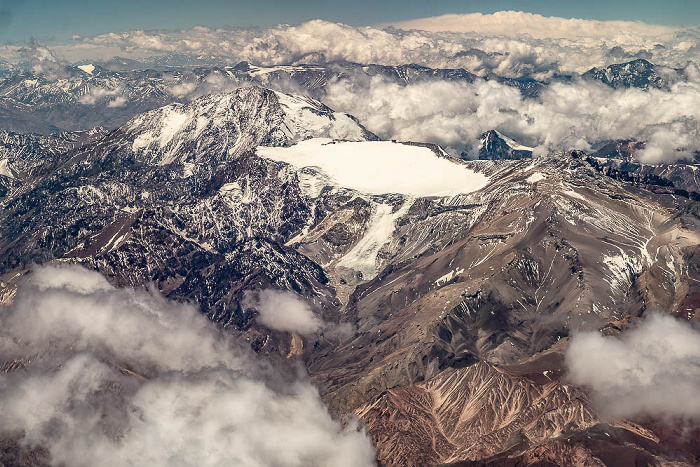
point(495, 145)
point(242, 66)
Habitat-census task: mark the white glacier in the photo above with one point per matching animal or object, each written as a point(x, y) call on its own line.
point(381, 167)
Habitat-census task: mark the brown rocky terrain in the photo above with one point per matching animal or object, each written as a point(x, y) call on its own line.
point(461, 305)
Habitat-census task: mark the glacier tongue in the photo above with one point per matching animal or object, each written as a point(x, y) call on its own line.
point(363, 256)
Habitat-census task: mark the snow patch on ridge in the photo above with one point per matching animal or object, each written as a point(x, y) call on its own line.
point(381, 167)
point(305, 117)
point(623, 270)
point(536, 177)
point(514, 145)
point(449, 276)
point(87, 68)
point(171, 123)
point(5, 168)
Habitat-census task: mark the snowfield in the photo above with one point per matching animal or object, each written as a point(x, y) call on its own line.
point(380, 167)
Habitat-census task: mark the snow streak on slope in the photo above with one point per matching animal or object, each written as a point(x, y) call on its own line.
point(381, 167)
point(307, 117)
point(363, 256)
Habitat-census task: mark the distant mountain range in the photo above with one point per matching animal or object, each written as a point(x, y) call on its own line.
point(89, 95)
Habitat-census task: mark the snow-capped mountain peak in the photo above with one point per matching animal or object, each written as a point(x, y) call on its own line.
point(232, 123)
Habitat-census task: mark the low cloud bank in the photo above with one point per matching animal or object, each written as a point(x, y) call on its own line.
point(566, 116)
point(124, 377)
point(653, 369)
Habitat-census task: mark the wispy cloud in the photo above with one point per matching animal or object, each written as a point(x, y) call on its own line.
point(41, 59)
point(283, 311)
point(125, 377)
point(94, 94)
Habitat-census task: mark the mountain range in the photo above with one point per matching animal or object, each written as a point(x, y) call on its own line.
point(88, 95)
point(458, 283)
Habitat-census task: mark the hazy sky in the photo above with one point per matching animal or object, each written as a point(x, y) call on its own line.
point(58, 20)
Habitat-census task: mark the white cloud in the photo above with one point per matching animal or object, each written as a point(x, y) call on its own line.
point(119, 101)
point(283, 311)
point(77, 280)
point(41, 59)
point(488, 43)
point(182, 89)
point(95, 93)
point(652, 369)
point(510, 23)
point(565, 116)
point(124, 377)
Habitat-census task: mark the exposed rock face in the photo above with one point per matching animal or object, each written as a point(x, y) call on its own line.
point(552, 247)
point(638, 73)
point(470, 413)
point(496, 146)
point(679, 179)
point(621, 149)
point(460, 304)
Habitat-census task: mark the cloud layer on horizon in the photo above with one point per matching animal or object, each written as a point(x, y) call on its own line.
point(567, 114)
point(510, 23)
point(124, 377)
point(507, 43)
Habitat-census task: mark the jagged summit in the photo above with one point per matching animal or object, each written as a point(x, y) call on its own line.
point(110, 93)
point(235, 122)
point(495, 145)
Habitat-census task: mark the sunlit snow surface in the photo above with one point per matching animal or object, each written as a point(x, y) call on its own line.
point(87, 68)
point(380, 167)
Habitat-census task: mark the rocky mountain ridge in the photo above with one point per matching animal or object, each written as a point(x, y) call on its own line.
point(459, 289)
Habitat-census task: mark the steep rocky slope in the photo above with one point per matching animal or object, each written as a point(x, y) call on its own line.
point(460, 281)
point(638, 73)
point(547, 248)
